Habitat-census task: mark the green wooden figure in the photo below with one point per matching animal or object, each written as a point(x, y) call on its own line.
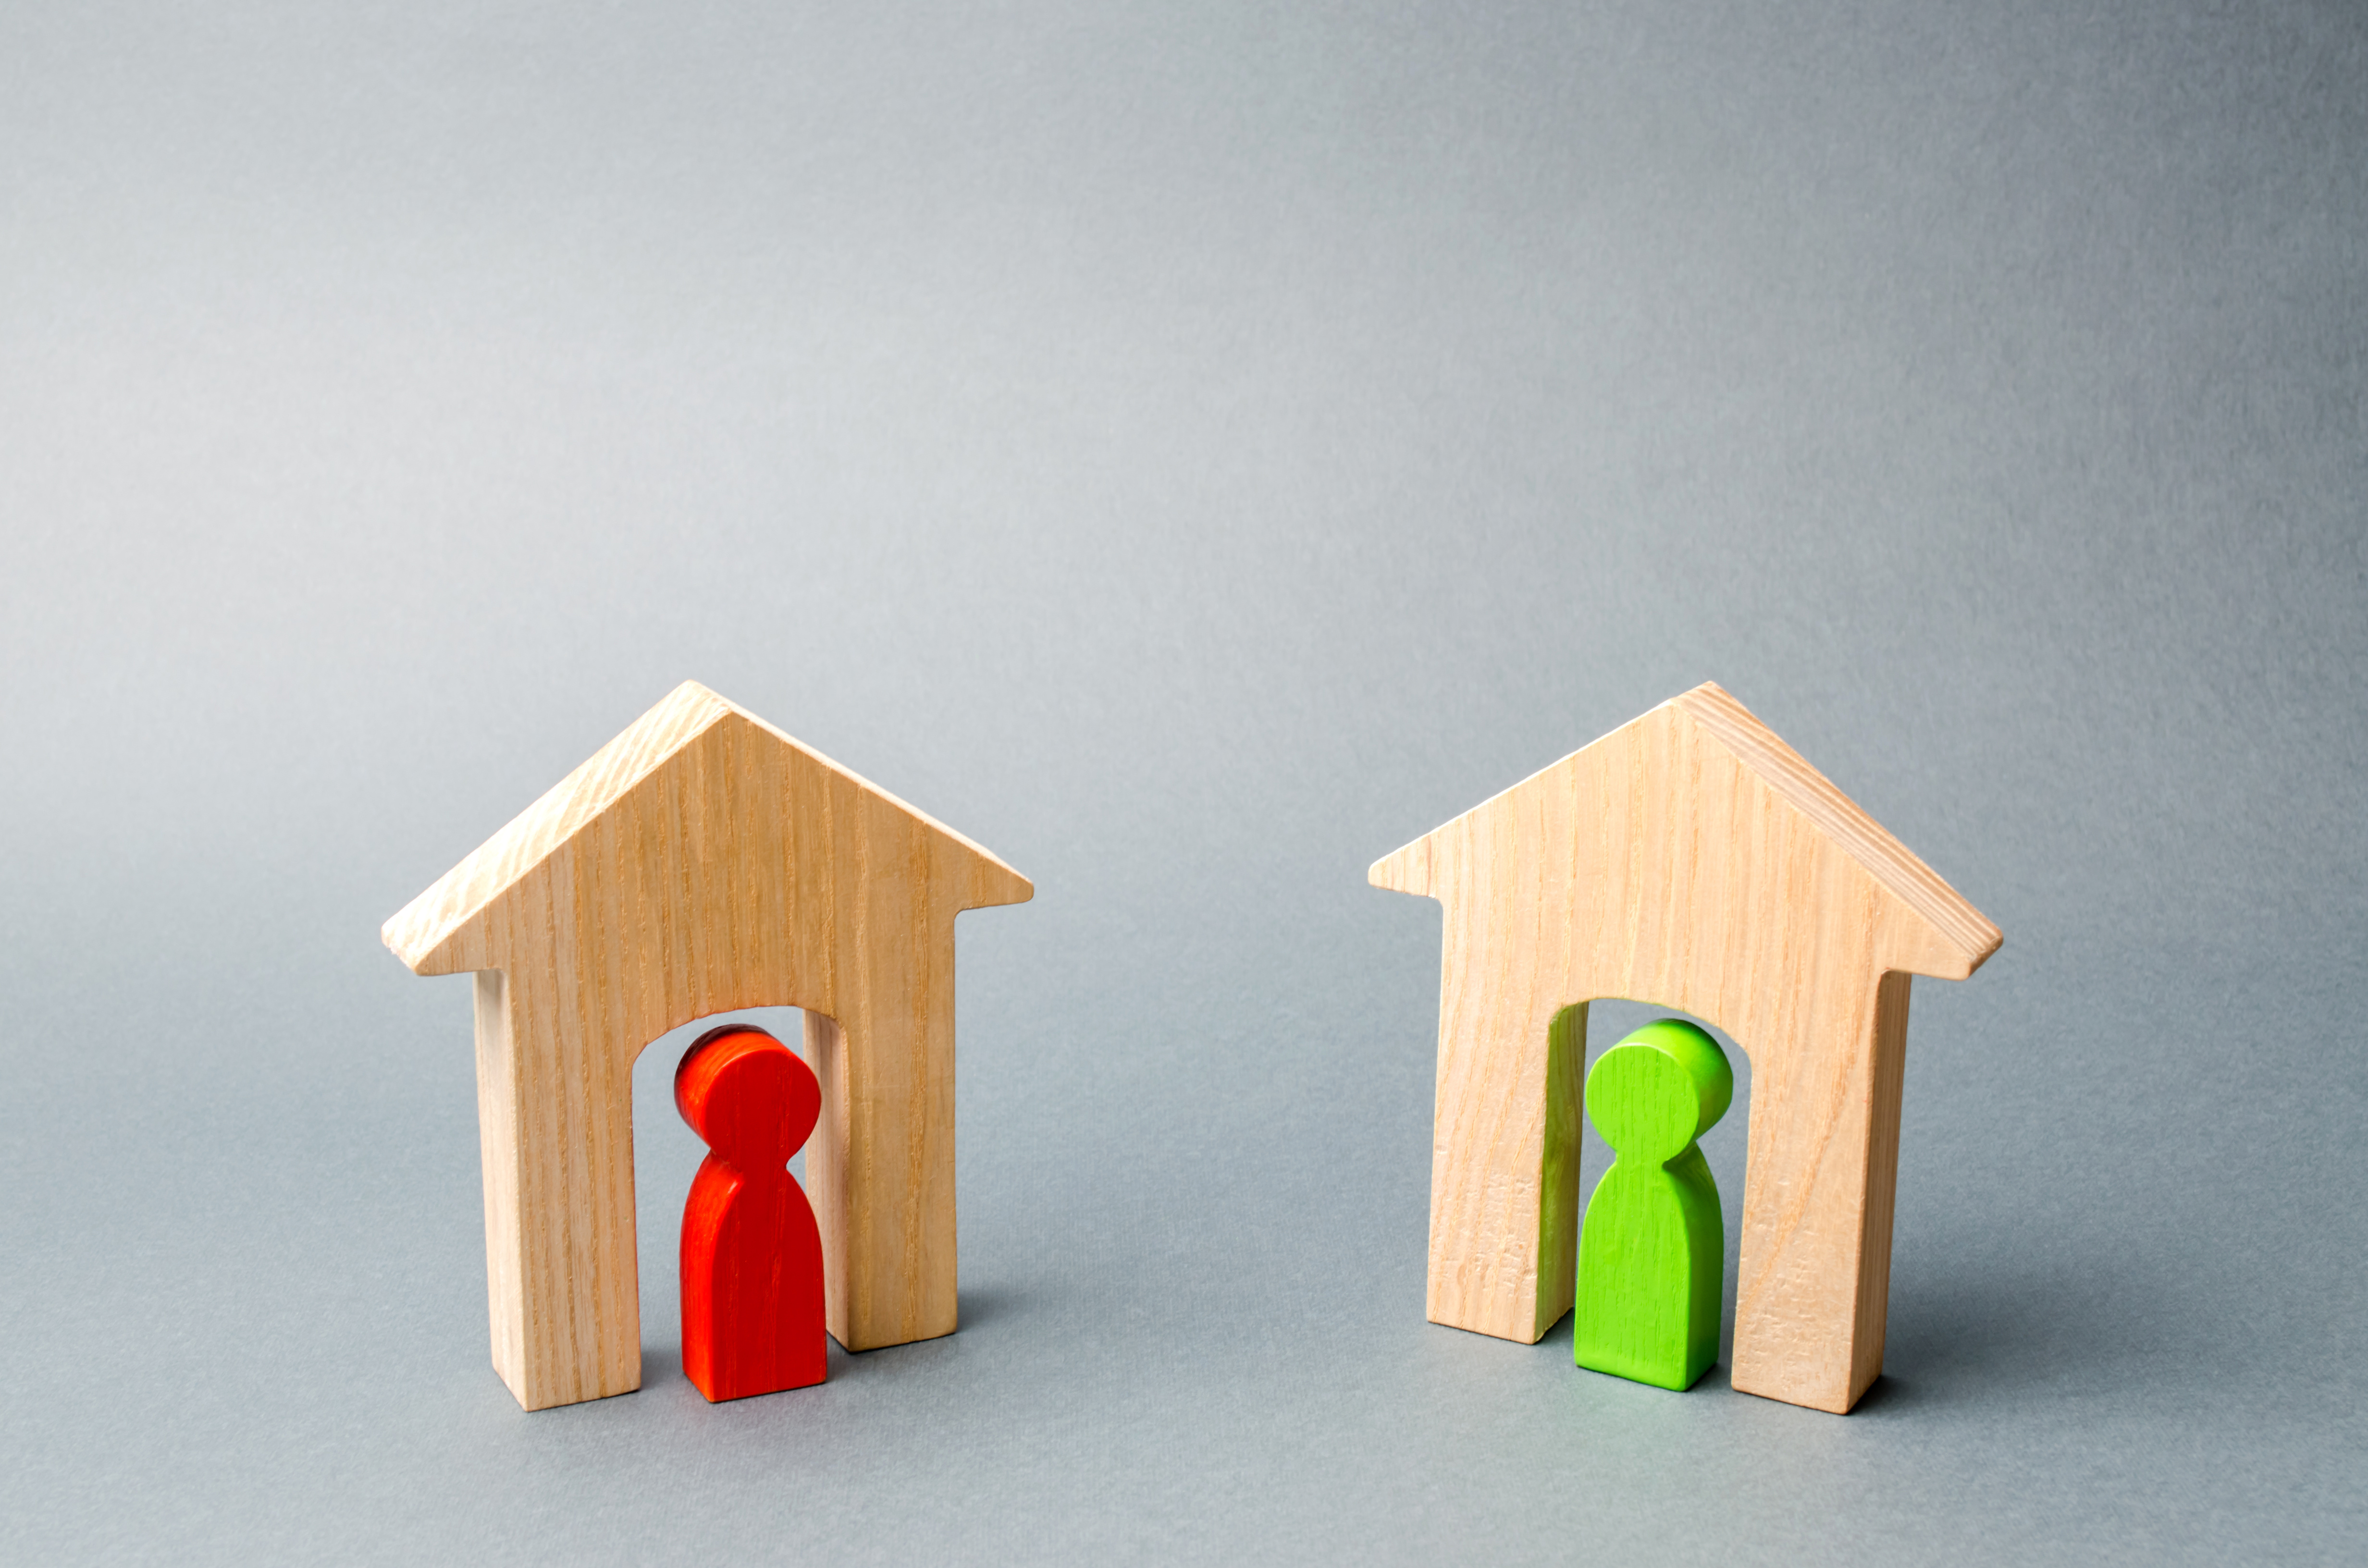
point(1652, 1254)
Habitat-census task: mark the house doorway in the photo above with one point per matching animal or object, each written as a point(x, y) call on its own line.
point(667, 1155)
point(1611, 1019)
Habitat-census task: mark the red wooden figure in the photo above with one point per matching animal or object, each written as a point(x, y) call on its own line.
point(752, 1312)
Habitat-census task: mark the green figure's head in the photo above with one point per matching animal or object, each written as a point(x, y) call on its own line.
point(1656, 1092)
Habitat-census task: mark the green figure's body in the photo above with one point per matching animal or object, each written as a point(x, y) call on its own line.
point(1652, 1254)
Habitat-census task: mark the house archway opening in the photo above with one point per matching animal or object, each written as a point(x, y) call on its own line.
point(666, 1155)
point(1610, 1021)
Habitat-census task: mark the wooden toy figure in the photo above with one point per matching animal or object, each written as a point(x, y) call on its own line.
point(752, 1298)
point(1652, 1253)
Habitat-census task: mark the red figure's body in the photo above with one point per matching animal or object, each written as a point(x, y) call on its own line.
point(752, 1314)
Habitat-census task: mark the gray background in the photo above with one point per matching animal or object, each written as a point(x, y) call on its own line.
point(1193, 449)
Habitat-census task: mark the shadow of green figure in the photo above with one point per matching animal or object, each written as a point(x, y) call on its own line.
point(1652, 1254)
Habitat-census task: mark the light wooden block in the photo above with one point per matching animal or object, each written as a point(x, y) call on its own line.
point(704, 862)
point(1692, 860)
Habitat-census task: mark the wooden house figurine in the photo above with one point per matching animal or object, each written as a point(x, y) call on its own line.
point(704, 862)
point(1692, 860)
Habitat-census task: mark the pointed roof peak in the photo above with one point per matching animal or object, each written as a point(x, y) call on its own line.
point(1966, 930)
point(678, 720)
point(1966, 934)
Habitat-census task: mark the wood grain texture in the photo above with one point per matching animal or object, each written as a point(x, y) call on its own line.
point(1692, 860)
point(704, 862)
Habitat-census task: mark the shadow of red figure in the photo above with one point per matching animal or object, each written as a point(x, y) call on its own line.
point(752, 1312)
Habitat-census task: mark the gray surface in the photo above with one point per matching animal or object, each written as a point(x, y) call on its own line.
point(1193, 450)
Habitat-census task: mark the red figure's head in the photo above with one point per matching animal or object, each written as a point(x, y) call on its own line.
point(751, 1097)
